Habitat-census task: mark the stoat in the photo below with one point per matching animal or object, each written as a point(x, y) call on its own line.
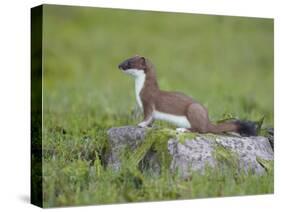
point(174, 107)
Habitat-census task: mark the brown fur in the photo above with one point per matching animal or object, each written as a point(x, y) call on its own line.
point(172, 102)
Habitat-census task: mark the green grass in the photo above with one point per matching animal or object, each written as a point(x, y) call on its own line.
point(226, 63)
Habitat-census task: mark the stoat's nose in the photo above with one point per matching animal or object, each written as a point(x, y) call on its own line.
point(123, 66)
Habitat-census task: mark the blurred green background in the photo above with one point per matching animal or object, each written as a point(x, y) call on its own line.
point(226, 63)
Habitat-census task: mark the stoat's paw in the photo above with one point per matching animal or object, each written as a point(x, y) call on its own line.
point(181, 130)
point(142, 124)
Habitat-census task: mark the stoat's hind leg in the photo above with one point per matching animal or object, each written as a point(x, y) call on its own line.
point(198, 118)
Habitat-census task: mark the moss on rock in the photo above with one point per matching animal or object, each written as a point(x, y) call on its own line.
point(225, 156)
point(159, 140)
point(268, 165)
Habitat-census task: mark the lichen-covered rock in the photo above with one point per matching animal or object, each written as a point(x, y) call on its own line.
point(122, 138)
point(244, 153)
point(187, 152)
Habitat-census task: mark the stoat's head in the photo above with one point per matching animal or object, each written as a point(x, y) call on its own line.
point(134, 66)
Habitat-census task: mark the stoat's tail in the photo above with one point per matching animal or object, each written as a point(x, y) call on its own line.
point(244, 128)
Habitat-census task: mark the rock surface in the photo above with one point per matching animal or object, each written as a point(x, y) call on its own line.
point(193, 153)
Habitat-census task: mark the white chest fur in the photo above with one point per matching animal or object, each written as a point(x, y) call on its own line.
point(138, 86)
point(180, 121)
point(139, 76)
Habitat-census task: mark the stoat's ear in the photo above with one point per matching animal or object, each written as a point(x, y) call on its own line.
point(143, 61)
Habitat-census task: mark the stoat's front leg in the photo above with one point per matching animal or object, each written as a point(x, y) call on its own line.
point(148, 118)
point(182, 130)
point(146, 122)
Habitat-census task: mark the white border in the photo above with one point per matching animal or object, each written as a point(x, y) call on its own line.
point(222, 7)
point(15, 101)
